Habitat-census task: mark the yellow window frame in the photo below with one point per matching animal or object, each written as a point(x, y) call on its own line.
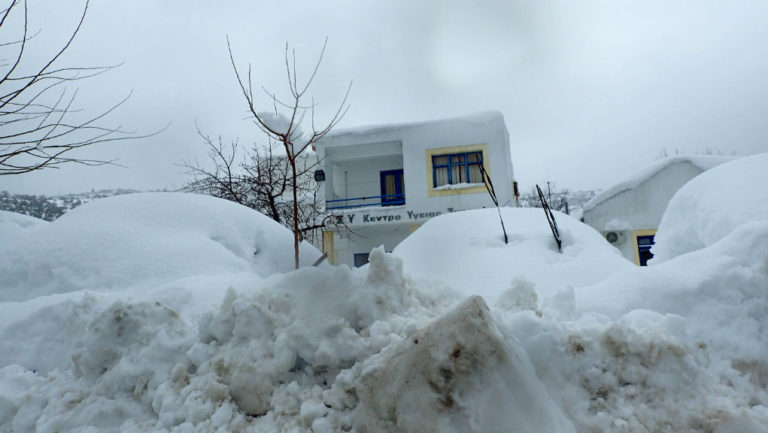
point(432, 192)
point(635, 249)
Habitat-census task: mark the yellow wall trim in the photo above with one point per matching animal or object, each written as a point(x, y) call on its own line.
point(635, 234)
point(431, 192)
point(328, 247)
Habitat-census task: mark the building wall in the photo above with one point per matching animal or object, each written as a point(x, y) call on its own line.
point(638, 211)
point(362, 154)
point(360, 177)
point(364, 239)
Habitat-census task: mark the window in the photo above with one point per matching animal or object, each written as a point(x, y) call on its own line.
point(392, 188)
point(453, 168)
point(360, 259)
point(644, 244)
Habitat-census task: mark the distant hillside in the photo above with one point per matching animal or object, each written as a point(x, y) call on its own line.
point(575, 200)
point(50, 208)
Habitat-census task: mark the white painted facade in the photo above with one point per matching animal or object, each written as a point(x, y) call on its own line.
point(629, 212)
point(357, 163)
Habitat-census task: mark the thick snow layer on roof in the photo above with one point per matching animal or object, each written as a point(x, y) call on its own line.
point(394, 130)
point(141, 239)
point(466, 251)
point(704, 162)
point(713, 205)
point(567, 345)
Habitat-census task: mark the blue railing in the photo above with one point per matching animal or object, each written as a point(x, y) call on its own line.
point(376, 200)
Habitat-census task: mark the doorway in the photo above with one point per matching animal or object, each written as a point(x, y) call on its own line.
point(392, 188)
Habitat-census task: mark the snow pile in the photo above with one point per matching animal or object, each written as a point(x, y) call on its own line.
point(713, 205)
point(281, 357)
point(466, 251)
point(458, 374)
point(691, 330)
point(151, 238)
point(13, 225)
point(573, 341)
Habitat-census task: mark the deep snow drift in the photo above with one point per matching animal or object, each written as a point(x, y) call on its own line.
point(474, 259)
point(143, 239)
point(578, 341)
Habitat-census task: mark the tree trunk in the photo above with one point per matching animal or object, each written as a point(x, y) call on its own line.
point(296, 233)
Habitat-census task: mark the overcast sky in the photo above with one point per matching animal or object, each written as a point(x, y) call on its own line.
point(590, 90)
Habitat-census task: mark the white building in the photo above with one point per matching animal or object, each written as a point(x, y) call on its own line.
point(382, 182)
point(629, 212)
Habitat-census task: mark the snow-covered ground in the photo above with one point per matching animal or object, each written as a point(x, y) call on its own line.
point(175, 312)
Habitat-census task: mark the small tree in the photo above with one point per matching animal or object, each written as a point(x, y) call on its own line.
point(36, 130)
point(258, 178)
point(283, 124)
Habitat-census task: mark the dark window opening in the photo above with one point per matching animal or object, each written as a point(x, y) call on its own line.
point(644, 244)
point(392, 188)
point(361, 259)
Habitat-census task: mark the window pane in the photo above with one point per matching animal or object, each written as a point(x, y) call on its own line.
point(440, 159)
point(475, 174)
point(441, 176)
point(476, 157)
point(457, 158)
point(458, 174)
point(389, 185)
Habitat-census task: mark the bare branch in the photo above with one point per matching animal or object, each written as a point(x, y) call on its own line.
point(36, 131)
point(303, 218)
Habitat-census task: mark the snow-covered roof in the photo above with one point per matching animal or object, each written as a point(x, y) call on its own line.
point(704, 162)
point(392, 131)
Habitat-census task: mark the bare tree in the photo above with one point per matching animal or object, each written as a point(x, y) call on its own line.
point(36, 107)
point(259, 178)
point(284, 123)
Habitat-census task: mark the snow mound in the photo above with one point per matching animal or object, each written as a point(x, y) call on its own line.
point(458, 374)
point(143, 239)
point(13, 225)
point(283, 357)
point(681, 346)
point(466, 251)
point(713, 205)
point(700, 314)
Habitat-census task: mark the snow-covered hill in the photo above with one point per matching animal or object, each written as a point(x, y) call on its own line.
point(148, 314)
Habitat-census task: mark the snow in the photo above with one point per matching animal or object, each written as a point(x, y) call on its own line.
point(466, 251)
point(455, 186)
point(482, 118)
point(453, 332)
point(144, 239)
point(736, 194)
point(633, 180)
point(279, 123)
point(13, 225)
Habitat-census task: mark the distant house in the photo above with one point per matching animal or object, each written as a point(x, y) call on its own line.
point(629, 212)
point(382, 182)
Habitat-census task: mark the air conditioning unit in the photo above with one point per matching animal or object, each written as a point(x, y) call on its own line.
point(615, 237)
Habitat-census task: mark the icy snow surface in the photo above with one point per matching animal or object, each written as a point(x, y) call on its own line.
point(573, 341)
